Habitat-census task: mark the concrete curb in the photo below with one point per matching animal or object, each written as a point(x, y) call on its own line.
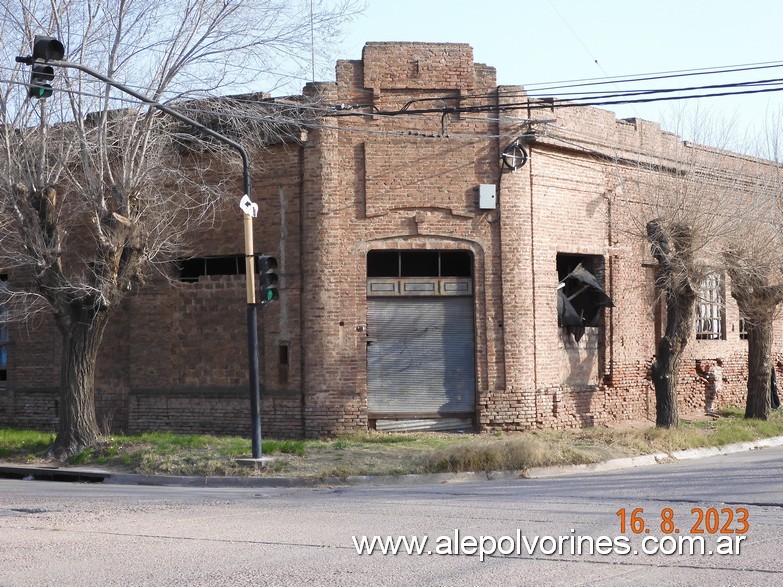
point(699, 453)
point(383, 480)
point(610, 465)
point(352, 480)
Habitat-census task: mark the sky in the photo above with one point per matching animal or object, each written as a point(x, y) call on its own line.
point(536, 42)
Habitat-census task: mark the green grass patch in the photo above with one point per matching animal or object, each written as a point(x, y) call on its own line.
point(291, 447)
point(27, 443)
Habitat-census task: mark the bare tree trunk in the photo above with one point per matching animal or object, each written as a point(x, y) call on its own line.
point(77, 426)
point(759, 369)
point(679, 313)
point(671, 245)
point(758, 302)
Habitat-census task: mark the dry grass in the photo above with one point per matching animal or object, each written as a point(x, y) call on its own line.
point(521, 451)
point(375, 453)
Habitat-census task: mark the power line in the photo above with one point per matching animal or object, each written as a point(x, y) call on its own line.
point(673, 74)
point(578, 38)
point(598, 99)
point(537, 101)
point(534, 90)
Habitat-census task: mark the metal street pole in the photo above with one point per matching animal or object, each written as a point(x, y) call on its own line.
point(250, 211)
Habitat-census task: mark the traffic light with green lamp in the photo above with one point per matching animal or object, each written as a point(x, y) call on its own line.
point(39, 82)
point(266, 266)
point(44, 49)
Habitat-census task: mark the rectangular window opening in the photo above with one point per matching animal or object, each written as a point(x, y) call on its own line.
point(581, 297)
point(711, 309)
point(191, 269)
point(282, 367)
point(419, 264)
point(4, 337)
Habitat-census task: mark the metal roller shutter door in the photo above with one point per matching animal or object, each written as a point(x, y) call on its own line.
point(420, 356)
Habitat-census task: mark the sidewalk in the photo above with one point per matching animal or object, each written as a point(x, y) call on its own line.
point(76, 474)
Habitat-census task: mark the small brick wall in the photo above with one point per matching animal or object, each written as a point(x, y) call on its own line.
point(224, 412)
point(37, 409)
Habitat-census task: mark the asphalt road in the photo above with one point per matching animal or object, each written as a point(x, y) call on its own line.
point(93, 534)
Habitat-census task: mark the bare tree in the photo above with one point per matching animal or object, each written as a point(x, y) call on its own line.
point(97, 192)
point(754, 262)
point(757, 285)
point(677, 201)
point(672, 246)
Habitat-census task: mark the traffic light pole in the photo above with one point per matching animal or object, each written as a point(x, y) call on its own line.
point(252, 312)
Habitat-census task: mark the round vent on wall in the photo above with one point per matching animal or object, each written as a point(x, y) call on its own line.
point(514, 156)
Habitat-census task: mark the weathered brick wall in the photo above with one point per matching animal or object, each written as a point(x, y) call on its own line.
point(187, 362)
point(166, 344)
point(37, 409)
point(175, 357)
point(30, 397)
point(378, 189)
point(221, 411)
point(418, 66)
point(580, 191)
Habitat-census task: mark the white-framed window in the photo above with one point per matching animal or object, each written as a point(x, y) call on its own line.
point(710, 309)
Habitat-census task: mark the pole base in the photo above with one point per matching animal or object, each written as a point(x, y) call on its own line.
point(250, 462)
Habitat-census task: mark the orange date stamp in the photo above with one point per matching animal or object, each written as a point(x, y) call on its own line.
point(701, 520)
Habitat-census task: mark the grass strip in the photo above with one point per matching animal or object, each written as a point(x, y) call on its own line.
point(376, 453)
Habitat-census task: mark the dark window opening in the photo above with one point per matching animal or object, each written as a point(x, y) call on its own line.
point(3, 334)
point(383, 264)
point(419, 264)
point(282, 368)
point(580, 294)
point(191, 269)
point(455, 264)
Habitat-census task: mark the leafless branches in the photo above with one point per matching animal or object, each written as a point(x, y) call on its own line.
point(707, 212)
point(97, 190)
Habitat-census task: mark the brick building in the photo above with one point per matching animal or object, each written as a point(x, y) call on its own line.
point(422, 228)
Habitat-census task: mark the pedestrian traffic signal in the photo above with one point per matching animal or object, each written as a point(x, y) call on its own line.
point(44, 49)
point(266, 266)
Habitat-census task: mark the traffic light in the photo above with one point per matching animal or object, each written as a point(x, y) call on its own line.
point(267, 268)
point(39, 81)
point(44, 49)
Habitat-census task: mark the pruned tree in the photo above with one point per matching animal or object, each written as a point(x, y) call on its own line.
point(671, 245)
point(677, 202)
point(754, 262)
point(757, 286)
point(98, 192)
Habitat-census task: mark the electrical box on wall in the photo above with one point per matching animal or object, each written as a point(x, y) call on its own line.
point(487, 196)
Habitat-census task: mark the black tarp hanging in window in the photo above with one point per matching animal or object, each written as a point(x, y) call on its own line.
point(579, 301)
